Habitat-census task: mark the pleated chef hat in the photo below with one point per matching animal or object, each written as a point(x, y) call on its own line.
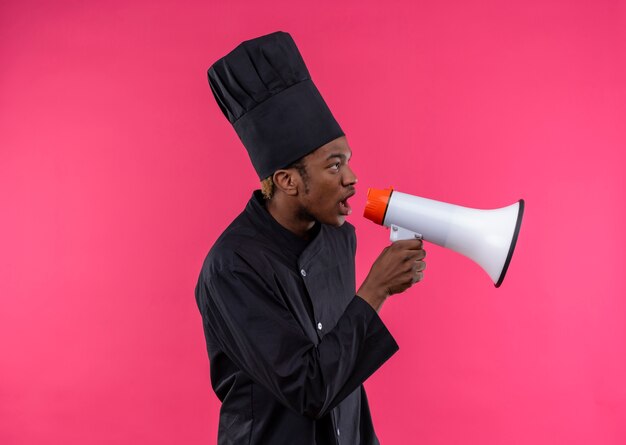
point(264, 89)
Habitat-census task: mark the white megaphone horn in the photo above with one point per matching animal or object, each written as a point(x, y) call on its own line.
point(487, 237)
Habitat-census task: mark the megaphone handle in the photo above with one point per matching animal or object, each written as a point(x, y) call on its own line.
point(400, 233)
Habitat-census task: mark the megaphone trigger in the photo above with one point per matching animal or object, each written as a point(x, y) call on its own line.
point(400, 233)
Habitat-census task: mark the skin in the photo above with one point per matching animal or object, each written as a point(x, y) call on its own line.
point(321, 196)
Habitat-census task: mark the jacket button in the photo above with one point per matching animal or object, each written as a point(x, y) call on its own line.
point(303, 272)
point(319, 326)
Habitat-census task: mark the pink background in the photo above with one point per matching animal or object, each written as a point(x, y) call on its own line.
point(118, 172)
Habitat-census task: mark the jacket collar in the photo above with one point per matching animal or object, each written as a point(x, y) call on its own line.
point(285, 238)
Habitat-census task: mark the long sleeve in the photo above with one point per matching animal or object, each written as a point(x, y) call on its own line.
point(256, 329)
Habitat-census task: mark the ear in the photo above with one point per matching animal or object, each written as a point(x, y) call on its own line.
point(286, 181)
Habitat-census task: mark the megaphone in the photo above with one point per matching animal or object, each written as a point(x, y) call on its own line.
point(487, 237)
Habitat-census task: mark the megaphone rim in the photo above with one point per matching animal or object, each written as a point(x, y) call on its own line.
point(518, 225)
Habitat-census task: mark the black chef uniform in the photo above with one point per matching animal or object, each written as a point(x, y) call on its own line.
point(289, 342)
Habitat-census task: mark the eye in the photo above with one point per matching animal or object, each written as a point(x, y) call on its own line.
point(335, 166)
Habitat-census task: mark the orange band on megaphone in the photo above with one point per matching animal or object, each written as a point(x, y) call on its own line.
point(377, 202)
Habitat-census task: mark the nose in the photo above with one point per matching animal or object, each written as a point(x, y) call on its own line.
point(349, 178)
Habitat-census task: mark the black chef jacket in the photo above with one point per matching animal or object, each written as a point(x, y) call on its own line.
point(289, 342)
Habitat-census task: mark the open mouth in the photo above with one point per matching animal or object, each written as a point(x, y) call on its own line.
point(344, 207)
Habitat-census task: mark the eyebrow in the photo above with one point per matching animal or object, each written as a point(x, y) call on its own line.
point(339, 155)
